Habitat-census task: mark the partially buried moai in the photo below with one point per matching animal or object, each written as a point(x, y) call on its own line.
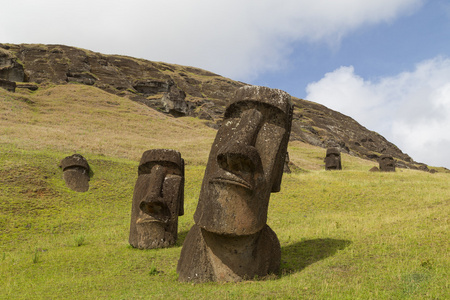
point(333, 159)
point(158, 199)
point(387, 163)
point(76, 172)
point(230, 240)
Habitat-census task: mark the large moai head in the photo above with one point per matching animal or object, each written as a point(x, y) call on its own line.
point(387, 163)
point(333, 159)
point(231, 240)
point(76, 172)
point(246, 162)
point(158, 199)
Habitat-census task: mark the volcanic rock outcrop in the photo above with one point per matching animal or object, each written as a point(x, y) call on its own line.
point(185, 91)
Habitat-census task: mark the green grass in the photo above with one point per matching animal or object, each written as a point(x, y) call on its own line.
point(346, 234)
point(349, 234)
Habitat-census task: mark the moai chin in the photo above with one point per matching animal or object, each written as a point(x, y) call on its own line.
point(76, 172)
point(333, 159)
point(158, 199)
point(387, 163)
point(230, 240)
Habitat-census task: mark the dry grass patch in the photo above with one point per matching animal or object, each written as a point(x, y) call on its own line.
point(75, 117)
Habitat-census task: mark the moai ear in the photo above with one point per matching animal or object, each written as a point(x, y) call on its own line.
point(276, 187)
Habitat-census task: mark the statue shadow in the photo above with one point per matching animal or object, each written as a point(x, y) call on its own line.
point(297, 256)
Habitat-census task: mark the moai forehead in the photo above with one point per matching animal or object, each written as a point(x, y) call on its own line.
point(334, 151)
point(171, 158)
point(75, 160)
point(386, 157)
point(261, 95)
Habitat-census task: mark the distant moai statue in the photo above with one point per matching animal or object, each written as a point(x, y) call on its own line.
point(387, 163)
point(158, 199)
point(230, 240)
point(333, 159)
point(76, 172)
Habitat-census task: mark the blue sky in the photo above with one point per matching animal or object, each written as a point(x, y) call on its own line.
point(378, 50)
point(385, 63)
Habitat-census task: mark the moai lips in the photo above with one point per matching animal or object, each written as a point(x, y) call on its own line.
point(157, 199)
point(230, 240)
point(76, 172)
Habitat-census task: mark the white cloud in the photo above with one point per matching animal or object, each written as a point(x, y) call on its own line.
point(234, 38)
point(412, 109)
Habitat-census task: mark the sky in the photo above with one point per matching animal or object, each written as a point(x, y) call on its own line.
point(385, 63)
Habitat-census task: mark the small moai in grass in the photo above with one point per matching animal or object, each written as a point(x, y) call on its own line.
point(333, 159)
point(387, 163)
point(76, 172)
point(158, 199)
point(230, 240)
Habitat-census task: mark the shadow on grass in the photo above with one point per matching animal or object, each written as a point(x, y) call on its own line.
point(298, 256)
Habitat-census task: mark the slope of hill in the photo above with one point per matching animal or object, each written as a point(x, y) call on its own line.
point(348, 234)
point(182, 91)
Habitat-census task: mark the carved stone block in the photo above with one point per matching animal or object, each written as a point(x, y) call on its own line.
point(157, 199)
point(230, 240)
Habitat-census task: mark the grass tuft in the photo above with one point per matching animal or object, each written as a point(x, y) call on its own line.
point(79, 240)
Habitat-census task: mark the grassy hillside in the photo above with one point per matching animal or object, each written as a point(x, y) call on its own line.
point(349, 234)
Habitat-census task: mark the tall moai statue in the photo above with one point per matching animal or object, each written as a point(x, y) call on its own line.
point(76, 172)
point(230, 240)
point(158, 199)
point(387, 163)
point(333, 159)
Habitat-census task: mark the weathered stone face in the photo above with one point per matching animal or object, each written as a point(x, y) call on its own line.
point(76, 172)
point(387, 163)
point(157, 199)
point(231, 240)
point(333, 159)
point(245, 163)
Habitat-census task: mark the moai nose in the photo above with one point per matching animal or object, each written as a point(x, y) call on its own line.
point(156, 182)
point(240, 155)
point(154, 204)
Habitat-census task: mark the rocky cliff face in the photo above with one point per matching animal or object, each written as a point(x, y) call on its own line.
point(182, 91)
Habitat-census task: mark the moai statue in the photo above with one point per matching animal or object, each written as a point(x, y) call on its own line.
point(230, 240)
point(76, 172)
point(158, 199)
point(387, 163)
point(333, 159)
